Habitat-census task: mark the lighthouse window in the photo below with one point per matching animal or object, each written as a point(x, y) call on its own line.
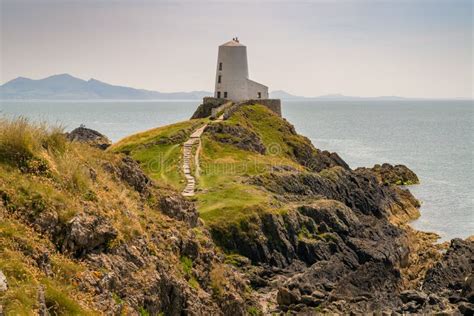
point(259, 95)
point(219, 79)
point(225, 94)
point(218, 94)
point(220, 66)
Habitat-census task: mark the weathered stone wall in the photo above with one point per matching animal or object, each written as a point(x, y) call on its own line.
point(272, 104)
point(215, 111)
point(205, 109)
point(210, 106)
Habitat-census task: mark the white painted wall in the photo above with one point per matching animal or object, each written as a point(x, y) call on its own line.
point(253, 88)
point(234, 74)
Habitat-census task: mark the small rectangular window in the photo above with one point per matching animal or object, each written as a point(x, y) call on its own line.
point(225, 94)
point(220, 66)
point(219, 79)
point(259, 95)
point(218, 94)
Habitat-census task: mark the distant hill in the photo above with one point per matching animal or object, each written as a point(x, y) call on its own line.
point(280, 94)
point(67, 87)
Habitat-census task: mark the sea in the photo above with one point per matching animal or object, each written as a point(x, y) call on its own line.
point(433, 138)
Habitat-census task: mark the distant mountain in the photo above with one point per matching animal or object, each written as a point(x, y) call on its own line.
point(67, 87)
point(280, 94)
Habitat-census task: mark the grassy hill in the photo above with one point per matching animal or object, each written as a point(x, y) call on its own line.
point(85, 232)
point(253, 141)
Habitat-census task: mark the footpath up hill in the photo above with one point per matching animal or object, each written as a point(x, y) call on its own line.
point(310, 233)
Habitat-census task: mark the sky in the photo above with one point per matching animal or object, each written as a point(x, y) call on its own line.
point(411, 48)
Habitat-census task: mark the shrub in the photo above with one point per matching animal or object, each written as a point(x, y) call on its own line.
point(186, 265)
point(218, 280)
point(21, 143)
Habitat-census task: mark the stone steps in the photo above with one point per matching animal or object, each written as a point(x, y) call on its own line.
point(194, 139)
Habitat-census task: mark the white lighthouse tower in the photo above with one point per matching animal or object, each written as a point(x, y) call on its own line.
point(232, 74)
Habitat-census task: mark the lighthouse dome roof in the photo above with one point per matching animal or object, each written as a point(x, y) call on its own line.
point(232, 43)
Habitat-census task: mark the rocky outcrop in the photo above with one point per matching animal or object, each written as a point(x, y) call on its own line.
point(345, 267)
point(452, 276)
point(237, 136)
point(342, 231)
point(312, 158)
point(359, 190)
point(89, 136)
point(148, 281)
point(85, 233)
point(179, 208)
point(129, 171)
point(205, 109)
point(396, 175)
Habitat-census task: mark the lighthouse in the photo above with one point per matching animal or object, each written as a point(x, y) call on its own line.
point(232, 74)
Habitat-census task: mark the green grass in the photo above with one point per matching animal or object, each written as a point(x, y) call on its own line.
point(225, 196)
point(59, 302)
point(159, 151)
point(165, 134)
point(186, 265)
point(271, 128)
point(162, 163)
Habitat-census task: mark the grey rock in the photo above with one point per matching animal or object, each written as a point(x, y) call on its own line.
point(413, 296)
point(468, 288)
point(179, 208)
point(89, 136)
point(43, 309)
point(288, 297)
point(131, 173)
point(466, 308)
point(86, 233)
point(3, 282)
point(389, 174)
point(454, 272)
point(318, 294)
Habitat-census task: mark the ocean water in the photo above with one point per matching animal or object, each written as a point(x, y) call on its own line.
point(433, 138)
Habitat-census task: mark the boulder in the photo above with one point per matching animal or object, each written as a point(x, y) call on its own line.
point(466, 308)
point(129, 171)
point(85, 233)
point(89, 136)
point(454, 272)
point(288, 297)
point(413, 296)
point(3, 282)
point(179, 208)
point(468, 288)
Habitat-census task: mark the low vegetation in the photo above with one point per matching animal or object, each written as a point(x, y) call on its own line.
point(159, 151)
point(48, 183)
